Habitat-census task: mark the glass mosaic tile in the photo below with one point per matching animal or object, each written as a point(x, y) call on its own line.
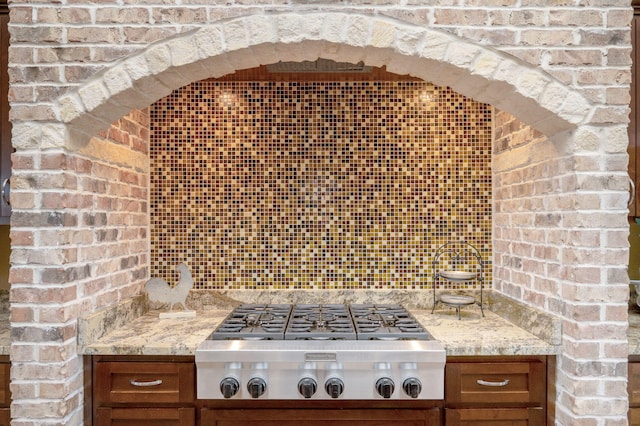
point(316, 185)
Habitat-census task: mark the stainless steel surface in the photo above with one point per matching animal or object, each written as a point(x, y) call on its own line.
point(6, 191)
point(316, 351)
point(408, 365)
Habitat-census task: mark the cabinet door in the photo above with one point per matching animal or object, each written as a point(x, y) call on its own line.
point(634, 393)
point(5, 394)
point(5, 417)
point(495, 416)
point(634, 384)
point(5, 379)
point(495, 383)
point(320, 417)
point(634, 117)
point(5, 126)
point(634, 416)
point(145, 417)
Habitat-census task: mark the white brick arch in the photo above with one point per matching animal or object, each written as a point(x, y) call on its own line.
point(245, 42)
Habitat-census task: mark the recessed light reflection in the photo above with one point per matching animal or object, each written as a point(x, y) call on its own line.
point(426, 97)
point(227, 99)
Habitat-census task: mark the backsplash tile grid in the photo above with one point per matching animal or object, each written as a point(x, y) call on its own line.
point(317, 185)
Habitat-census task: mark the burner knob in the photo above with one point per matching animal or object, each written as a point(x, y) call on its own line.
point(385, 387)
point(412, 387)
point(334, 387)
point(307, 387)
point(229, 387)
point(256, 387)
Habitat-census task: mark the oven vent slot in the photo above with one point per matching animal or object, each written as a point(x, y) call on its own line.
point(319, 65)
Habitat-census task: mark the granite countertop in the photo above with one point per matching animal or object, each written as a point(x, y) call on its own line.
point(151, 335)
point(475, 335)
point(5, 325)
point(142, 332)
point(472, 335)
point(633, 332)
point(5, 333)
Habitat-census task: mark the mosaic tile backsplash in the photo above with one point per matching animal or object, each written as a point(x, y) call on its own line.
point(317, 185)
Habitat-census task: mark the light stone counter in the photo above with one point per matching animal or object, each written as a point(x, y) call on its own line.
point(475, 335)
point(5, 327)
point(472, 335)
point(150, 335)
point(5, 333)
point(633, 332)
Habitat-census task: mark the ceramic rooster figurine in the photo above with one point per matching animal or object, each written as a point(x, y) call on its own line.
point(160, 291)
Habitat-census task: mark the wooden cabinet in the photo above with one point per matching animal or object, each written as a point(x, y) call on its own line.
point(5, 393)
point(495, 416)
point(633, 118)
point(143, 391)
point(634, 390)
point(5, 126)
point(321, 417)
point(145, 416)
point(496, 391)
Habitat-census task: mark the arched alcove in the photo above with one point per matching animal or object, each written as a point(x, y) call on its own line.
point(478, 72)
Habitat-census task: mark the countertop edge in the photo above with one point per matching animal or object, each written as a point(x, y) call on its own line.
point(150, 335)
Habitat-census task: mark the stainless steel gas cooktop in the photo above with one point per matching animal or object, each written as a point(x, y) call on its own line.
point(320, 322)
point(320, 351)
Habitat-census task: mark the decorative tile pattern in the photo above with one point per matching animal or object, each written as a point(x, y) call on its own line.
point(317, 185)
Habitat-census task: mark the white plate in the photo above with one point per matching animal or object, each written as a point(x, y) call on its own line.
point(455, 299)
point(458, 275)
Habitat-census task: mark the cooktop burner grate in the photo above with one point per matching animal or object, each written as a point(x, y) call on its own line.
point(320, 322)
point(386, 322)
point(254, 322)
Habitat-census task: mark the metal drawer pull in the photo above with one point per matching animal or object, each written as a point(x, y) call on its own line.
point(496, 384)
point(6, 196)
point(134, 382)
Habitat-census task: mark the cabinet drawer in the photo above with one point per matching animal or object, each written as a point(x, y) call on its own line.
point(145, 416)
point(320, 417)
point(495, 416)
point(496, 383)
point(144, 383)
point(634, 383)
point(5, 393)
point(5, 417)
point(634, 416)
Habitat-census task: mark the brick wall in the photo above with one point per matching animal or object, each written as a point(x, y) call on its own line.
point(556, 249)
point(562, 68)
point(85, 246)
